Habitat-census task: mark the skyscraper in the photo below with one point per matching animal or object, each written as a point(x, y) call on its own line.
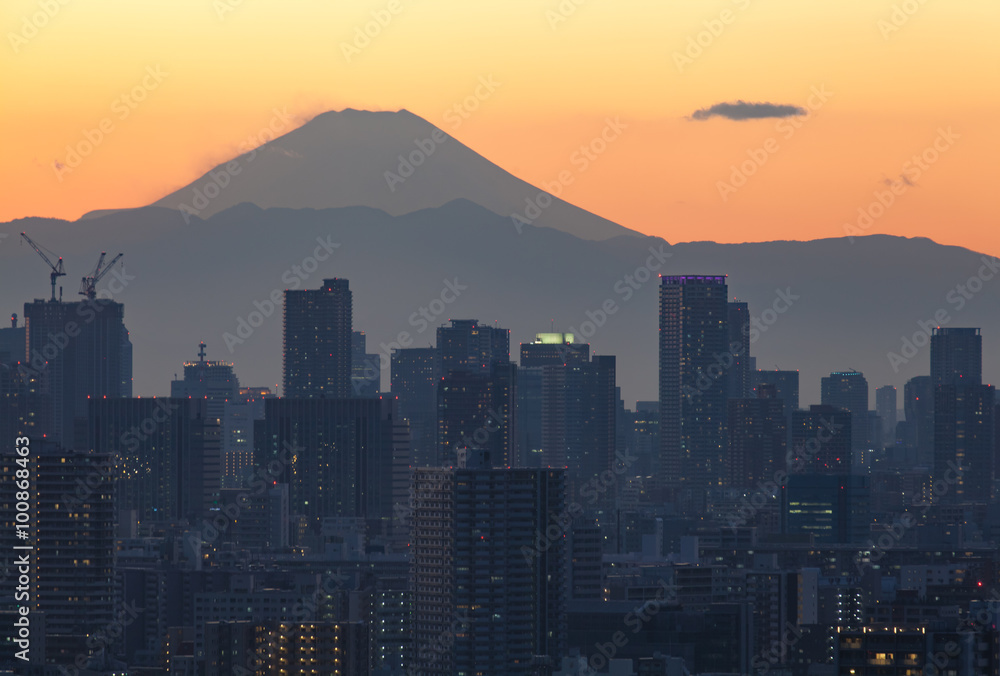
point(963, 414)
point(477, 411)
point(577, 403)
point(885, 406)
point(465, 345)
point(75, 351)
point(821, 440)
point(956, 356)
point(73, 572)
point(483, 574)
point(317, 342)
point(414, 385)
point(477, 393)
point(337, 456)
point(694, 337)
point(849, 390)
point(786, 385)
point(738, 380)
point(213, 381)
point(366, 367)
point(758, 434)
point(918, 409)
point(166, 454)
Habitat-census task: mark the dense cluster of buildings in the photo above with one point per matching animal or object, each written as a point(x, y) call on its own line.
point(496, 516)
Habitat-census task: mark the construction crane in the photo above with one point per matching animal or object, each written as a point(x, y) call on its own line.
point(57, 269)
point(88, 286)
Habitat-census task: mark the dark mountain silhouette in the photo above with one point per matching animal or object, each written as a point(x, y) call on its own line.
point(850, 303)
point(393, 161)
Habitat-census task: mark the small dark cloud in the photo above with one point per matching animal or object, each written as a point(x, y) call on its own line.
point(741, 110)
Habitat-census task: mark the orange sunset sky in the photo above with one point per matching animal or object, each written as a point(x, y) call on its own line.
point(897, 73)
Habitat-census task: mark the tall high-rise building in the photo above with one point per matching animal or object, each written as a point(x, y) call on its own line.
point(478, 411)
point(415, 378)
point(553, 349)
point(317, 342)
point(466, 345)
point(849, 390)
point(833, 507)
point(337, 455)
point(918, 409)
point(576, 400)
point(482, 573)
point(241, 412)
point(166, 451)
point(477, 393)
point(786, 384)
point(366, 367)
point(821, 440)
point(694, 337)
point(956, 356)
point(75, 351)
point(72, 532)
point(213, 381)
point(963, 414)
point(738, 379)
point(758, 435)
point(885, 406)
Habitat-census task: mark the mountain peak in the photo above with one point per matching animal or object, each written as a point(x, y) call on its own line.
point(394, 161)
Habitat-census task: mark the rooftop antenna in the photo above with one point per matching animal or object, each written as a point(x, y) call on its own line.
point(201, 350)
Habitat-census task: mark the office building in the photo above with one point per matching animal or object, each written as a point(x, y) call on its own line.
point(885, 407)
point(739, 383)
point(848, 390)
point(964, 431)
point(576, 405)
point(834, 508)
point(166, 455)
point(213, 381)
point(317, 342)
point(694, 336)
point(75, 351)
point(366, 367)
point(338, 456)
point(483, 576)
point(415, 378)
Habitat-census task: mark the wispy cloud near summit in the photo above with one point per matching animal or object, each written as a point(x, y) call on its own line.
point(741, 110)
